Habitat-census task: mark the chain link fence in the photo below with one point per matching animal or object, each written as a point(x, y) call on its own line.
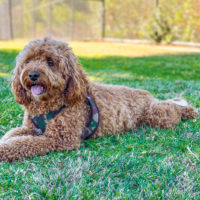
point(5, 21)
point(158, 20)
point(71, 19)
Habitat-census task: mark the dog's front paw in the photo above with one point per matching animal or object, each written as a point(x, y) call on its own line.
point(3, 153)
point(7, 152)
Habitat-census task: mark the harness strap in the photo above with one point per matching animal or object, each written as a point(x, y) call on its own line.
point(93, 123)
point(41, 121)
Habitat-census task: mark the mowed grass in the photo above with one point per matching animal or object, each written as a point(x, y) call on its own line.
point(146, 163)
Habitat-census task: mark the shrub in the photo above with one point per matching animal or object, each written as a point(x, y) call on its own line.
point(159, 27)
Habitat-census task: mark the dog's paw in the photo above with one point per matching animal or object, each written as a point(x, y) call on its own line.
point(3, 152)
point(178, 101)
point(189, 112)
point(7, 152)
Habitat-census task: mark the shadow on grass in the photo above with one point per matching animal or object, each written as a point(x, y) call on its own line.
point(171, 67)
point(7, 60)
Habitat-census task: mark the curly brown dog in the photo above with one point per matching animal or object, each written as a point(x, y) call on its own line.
point(62, 106)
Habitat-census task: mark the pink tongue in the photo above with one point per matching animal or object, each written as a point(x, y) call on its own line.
point(37, 89)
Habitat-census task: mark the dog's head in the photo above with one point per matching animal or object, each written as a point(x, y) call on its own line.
point(47, 69)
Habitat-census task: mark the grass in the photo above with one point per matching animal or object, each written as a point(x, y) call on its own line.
point(147, 163)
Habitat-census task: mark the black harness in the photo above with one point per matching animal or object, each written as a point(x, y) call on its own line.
point(41, 121)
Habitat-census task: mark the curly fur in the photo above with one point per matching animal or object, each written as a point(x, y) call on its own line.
point(121, 108)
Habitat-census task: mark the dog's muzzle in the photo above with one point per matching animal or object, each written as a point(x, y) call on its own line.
point(34, 75)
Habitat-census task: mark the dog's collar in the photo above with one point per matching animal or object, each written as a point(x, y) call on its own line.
point(41, 121)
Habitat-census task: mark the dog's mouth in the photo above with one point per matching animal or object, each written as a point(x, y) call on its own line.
point(37, 89)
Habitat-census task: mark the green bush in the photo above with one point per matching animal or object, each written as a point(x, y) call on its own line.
point(159, 27)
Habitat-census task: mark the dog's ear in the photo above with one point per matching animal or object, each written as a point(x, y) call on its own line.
point(18, 90)
point(77, 83)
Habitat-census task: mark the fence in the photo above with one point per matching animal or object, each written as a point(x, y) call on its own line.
point(95, 19)
point(72, 19)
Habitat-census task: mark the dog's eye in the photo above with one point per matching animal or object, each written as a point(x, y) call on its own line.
point(50, 62)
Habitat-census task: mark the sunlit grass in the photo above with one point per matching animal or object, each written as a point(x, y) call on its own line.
point(12, 44)
point(4, 74)
point(100, 49)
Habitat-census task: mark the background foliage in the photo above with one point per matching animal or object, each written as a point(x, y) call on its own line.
point(133, 19)
point(142, 19)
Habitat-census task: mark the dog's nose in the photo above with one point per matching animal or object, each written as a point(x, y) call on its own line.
point(34, 75)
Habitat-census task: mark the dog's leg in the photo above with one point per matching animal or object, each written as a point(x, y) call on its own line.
point(16, 148)
point(165, 114)
point(19, 147)
point(19, 131)
point(187, 111)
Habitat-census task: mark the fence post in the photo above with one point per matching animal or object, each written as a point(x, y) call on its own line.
point(72, 20)
point(103, 20)
point(10, 19)
point(157, 3)
point(33, 18)
point(22, 19)
point(50, 18)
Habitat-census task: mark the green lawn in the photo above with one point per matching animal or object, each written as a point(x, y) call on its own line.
point(147, 163)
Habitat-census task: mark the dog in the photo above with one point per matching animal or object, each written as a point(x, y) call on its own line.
point(63, 107)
